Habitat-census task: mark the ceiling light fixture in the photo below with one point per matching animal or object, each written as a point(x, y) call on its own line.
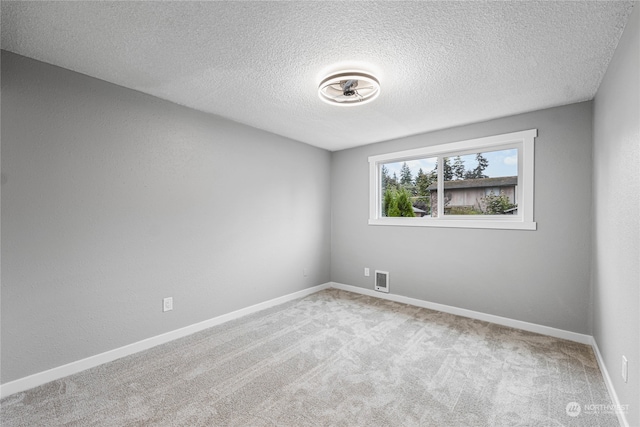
point(349, 88)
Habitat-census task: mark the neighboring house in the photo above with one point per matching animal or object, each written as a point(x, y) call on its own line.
point(419, 213)
point(468, 193)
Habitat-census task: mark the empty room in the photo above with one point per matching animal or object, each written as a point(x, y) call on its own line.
point(300, 213)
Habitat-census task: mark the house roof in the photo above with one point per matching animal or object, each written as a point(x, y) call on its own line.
point(505, 181)
point(440, 64)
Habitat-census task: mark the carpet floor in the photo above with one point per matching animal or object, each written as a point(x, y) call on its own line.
point(334, 358)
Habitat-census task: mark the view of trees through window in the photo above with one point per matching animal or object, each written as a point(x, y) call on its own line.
point(474, 184)
point(405, 187)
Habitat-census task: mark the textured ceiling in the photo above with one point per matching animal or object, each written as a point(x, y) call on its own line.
point(440, 64)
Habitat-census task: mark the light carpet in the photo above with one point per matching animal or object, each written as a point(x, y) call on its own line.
point(334, 358)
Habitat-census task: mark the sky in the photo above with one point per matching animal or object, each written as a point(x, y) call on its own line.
point(501, 163)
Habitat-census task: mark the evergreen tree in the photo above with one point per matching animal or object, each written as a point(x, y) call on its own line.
point(397, 203)
point(387, 201)
point(458, 168)
point(423, 181)
point(483, 163)
point(394, 181)
point(384, 178)
point(447, 171)
point(392, 209)
point(403, 203)
point(423, 199)
point(405, 175)
point(478, 171)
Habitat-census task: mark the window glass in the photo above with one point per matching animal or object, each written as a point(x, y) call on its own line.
point(406, 187)
point(482, 183)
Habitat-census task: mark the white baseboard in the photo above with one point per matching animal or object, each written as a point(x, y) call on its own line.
point(53, 374)
point(504, 321)
point(622, 419)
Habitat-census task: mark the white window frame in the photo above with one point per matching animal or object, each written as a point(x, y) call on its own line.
point(523, 141)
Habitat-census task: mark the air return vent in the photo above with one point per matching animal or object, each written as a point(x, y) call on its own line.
point(382, 281)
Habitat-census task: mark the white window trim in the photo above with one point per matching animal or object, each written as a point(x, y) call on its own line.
point(523, 141)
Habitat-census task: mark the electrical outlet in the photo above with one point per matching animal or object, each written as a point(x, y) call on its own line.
point(167, 304)
point(366, 272)
point(625, 369)
point(305, 272)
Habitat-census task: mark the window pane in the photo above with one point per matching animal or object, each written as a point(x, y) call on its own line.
point(406, 188)
point(489, 184)
point(481, 183)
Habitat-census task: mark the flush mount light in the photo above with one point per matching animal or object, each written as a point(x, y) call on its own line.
point(349, 88)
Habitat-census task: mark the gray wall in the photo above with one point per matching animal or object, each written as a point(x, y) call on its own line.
point(112, 200)
point(535, 276)
point(616, 212)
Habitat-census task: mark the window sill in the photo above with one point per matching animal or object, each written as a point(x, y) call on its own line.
point(516, 224)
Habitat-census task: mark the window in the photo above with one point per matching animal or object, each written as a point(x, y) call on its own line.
point(479, 183)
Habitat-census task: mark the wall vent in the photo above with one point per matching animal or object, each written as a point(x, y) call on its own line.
point(382, 281)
